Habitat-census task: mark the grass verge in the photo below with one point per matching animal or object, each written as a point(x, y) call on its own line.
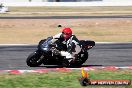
point(60, 79)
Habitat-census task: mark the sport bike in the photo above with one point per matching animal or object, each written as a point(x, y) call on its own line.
point(45, 55)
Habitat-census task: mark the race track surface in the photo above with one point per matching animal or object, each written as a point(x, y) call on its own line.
point(65, 17)
point(120, 54)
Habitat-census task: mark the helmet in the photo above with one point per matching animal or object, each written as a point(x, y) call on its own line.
point(67, 32)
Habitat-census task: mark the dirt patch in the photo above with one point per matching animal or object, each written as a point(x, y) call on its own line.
point(30, 31)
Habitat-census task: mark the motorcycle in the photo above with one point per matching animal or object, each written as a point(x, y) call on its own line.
point(44, 54)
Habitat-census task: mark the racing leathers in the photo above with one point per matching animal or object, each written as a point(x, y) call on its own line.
point(72, 44)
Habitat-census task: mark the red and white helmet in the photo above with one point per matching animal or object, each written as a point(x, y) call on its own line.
point(67, 32)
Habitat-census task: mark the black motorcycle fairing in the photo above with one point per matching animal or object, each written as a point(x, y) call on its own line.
point(44, 45)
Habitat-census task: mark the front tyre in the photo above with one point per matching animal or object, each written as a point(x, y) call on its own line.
point(34, 60)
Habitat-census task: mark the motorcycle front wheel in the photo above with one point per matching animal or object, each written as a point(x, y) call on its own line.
point(34, 60)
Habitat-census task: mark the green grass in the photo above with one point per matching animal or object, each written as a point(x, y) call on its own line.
point(60, 79)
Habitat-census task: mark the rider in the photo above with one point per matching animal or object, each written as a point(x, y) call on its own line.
point(72, 43)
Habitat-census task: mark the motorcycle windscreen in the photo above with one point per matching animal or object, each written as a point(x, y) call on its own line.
point(45, 45)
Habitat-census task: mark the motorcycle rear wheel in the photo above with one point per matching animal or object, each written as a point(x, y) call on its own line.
point(83, 56)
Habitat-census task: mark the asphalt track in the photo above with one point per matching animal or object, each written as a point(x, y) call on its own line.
point(65, 17)
point(117, 54)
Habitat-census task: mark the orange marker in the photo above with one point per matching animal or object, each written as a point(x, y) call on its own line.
point(84, 74)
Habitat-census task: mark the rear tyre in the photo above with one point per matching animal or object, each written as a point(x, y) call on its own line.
point(65, 63)
point(34, 60)
point(82, 57)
